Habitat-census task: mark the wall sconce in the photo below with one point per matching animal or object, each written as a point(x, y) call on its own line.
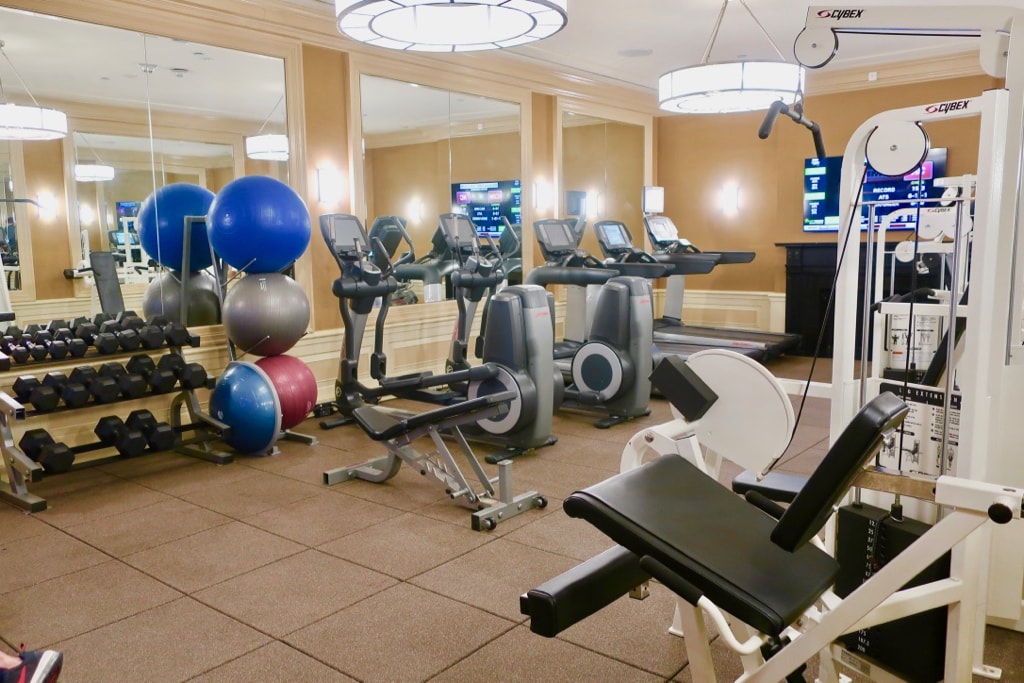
point(729, 198)
point(543, 194)
point(593, 205)
point(415, 210)
point(329, 185)
point(47, 205)
point(86, 215)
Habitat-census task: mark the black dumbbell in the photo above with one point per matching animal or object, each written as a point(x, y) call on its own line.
point(85, 330)
point(76, 347)
point(13, 349)
point(112, 431)
point(42, 397)
point(14, 332)
point(102, 389)
point(54, 348)
point(192, 376)
point(176, 334)
point(130, 320)
point(35, 351)
point(159, 435)
point(130, 385)
point(160, 378)
point(55, 458)
point(151, 336)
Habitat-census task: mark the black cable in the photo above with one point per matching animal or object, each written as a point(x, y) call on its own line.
point(854, 215)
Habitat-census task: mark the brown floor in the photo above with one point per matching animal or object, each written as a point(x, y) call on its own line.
point(163, 568)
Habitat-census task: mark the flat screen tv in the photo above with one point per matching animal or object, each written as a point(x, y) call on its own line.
point(127, 209)
point(486, 202)
point(821, 192)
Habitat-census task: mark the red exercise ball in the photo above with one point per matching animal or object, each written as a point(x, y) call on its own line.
point(295, 385)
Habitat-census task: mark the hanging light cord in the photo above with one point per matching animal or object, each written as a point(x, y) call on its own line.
point(3, 95)
point(267, 120)
point(92, 149)
point(718, 25)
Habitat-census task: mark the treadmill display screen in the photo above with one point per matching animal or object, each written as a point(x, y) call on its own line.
point(556, 235)
point(662, 229)
point(614, 235)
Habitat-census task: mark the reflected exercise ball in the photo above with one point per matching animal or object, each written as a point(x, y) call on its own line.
point(245, 400)
point(265, 314)
point(295, 385)
point(258, 224)
point(164, 293)
point(161, 225)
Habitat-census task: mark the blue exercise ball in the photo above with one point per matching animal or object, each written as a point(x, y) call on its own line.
point(161, 225)
point(245, 400)
point(258, 224)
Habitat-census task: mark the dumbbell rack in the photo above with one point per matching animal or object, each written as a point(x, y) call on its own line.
point(22, 470)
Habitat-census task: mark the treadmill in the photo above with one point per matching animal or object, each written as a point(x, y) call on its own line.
point(671, 328)
point(617, 246)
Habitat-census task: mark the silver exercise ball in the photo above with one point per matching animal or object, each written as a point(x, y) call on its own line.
point(163, 297)
point(265, 314)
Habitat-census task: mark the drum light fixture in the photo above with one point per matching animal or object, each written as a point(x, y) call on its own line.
point(450, 25)
point(731, 86)
point(24, 122)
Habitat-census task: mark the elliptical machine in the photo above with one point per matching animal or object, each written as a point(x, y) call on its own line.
point(360, 284)
point(516, 335)
point(609, 371)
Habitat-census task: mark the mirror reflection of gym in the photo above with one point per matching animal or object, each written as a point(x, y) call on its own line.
point(178, 101)
point(419, 143)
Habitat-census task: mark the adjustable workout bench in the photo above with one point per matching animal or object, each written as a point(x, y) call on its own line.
point(763, 565)
point(398, 431)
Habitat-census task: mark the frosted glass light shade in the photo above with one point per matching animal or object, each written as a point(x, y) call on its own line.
point(729, 87)
point(93, 173)
point(19, 122)
point(267, 147)
point(450, 25)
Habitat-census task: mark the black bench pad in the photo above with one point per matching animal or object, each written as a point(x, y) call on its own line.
point(673, 512)
point(381, 425)
point(583, 590)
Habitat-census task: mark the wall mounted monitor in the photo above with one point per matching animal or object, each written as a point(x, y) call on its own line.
point(127, 209)
point(575, 203)
point(486, 202)
point(821, 192)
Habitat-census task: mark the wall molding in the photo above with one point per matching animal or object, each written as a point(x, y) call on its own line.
point(760, 311)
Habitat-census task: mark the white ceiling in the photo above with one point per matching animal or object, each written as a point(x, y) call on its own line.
point(75, 61)
point(610, 39)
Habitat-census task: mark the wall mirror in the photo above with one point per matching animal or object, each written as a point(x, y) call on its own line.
point(154, 109)
point(428, 151)
point(603, 165)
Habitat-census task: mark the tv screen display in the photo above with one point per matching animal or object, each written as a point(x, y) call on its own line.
point(127, 209)
point(486, 202)
point(821, 192)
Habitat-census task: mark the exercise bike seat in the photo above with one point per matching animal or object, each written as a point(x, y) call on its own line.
point(382, 425)
point(700, 539)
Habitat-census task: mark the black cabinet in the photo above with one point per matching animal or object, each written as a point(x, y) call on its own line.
point(810, 269)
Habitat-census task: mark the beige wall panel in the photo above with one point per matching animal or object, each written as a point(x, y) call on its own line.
point(697, 154)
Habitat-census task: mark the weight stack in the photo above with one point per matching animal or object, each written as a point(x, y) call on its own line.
point(913, 647)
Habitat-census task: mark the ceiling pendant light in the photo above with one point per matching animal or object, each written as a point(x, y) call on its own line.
point(267, 146)
point(23, 122)
point(93, 173)
point(450, 25)
point(731, 86)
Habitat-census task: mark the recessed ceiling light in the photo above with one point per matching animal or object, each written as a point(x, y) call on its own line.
point(636, 52)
